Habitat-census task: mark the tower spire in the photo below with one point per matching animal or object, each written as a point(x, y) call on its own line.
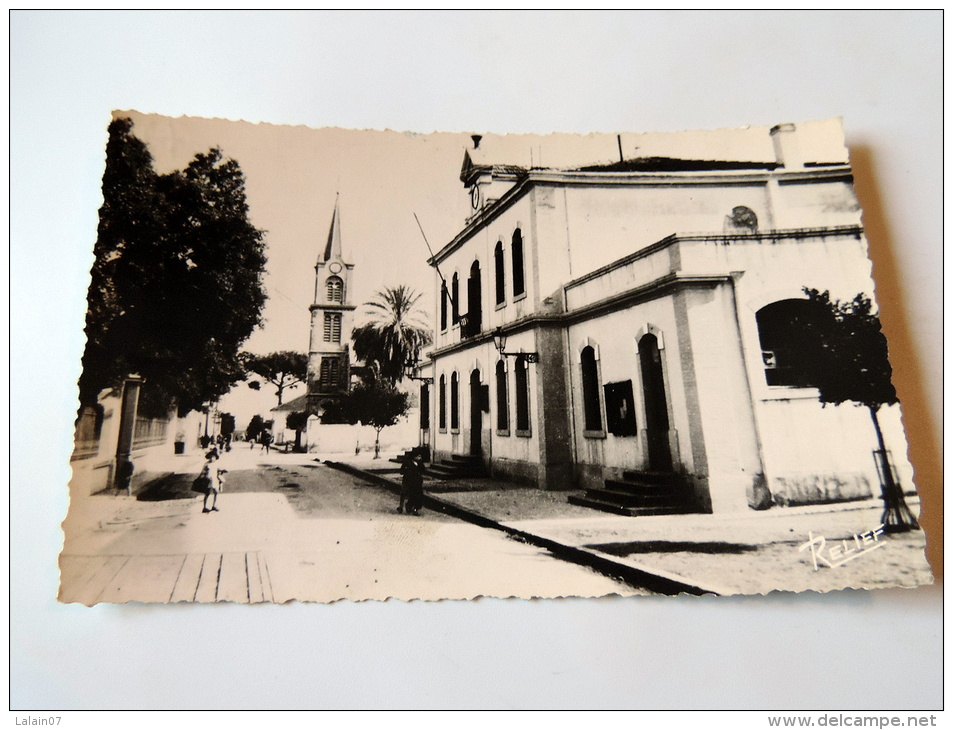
point(333, 247)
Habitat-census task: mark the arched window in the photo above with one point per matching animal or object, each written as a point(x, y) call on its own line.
point(443, 403)
point(502, 401)
point(522, 395)
point(741, 220)
point(500, 274)
point(592, 403)
point(474, 301)
point(332, 327)
point(455, 299)
point(789, 345)
point(424, 407)
point(330, 373)
point(335, 287)
point(444, 296)
point(519, 286)
point(454, 402)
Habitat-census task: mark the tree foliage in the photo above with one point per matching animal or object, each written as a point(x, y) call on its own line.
point(255, 426)
point(283, 369)
point(851, 362)
point(176, 282)
point(227, 426)
point(396, 332)
point(852, 365)
point(377, 404)
point(297, 421)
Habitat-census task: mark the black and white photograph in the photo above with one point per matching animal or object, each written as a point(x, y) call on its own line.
point(332, 364)
point(476, 360)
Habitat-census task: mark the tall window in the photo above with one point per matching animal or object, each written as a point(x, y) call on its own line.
point(335, 287)
point(330, 373)
point(424, 407)
point(590, 389)
point(519, 286)
point(522, 395)
point(454, 402)
point(474, 301)
point(500, 273)
point(788, 348)
point(444, 296)
point(502, 402)
point(455, 299)
point(443, 403)
point(332, 327)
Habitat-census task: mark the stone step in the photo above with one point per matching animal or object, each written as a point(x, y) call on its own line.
point(466, 459)
point(627, 511)
point(639, 488)
point(628, 499)
point(652, 477)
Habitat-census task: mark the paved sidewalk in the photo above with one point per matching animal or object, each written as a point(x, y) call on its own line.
point(747, 552)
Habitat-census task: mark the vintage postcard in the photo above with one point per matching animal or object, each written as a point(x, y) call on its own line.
point(329, 364)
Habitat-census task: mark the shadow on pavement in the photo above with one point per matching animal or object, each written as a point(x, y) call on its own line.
point(173, 486)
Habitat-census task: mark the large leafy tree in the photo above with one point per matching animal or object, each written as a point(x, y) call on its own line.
point(176, 284)
point(851, 365)
point(283, 369)
point(395, 333)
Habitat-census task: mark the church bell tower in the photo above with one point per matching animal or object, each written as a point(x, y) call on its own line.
point(329, 358)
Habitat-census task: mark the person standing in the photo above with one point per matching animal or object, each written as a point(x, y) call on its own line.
point(215, 475)
point(412, 485)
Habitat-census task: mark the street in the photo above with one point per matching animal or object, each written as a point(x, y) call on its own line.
point(290, 528)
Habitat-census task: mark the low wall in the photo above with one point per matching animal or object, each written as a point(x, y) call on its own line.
point(342, 438)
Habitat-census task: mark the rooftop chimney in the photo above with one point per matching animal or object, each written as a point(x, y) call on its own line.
point(476, 140)
point(787, 150)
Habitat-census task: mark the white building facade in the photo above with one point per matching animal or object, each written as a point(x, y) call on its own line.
point(656, 293)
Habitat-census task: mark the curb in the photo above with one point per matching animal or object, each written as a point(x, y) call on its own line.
point(635, 576)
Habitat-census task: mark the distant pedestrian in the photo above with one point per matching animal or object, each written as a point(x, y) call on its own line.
point(266, 439)
point(412, 484)
point(215, 476)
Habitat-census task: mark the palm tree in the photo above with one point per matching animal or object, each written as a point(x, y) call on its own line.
point(396, 332)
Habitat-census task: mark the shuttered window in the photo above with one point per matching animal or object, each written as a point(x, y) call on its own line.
point(335, 289)
point(330, 373)
point(332, 327)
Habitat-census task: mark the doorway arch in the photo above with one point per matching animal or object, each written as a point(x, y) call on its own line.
point(656, 404)
point(476, 414)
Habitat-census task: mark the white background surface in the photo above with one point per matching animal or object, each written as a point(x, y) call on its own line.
point(512, 72)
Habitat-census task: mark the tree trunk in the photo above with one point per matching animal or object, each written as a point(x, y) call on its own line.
point(377, 443)
point(897, 517)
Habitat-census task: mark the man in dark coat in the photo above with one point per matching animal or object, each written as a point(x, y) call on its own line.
point(412, 485)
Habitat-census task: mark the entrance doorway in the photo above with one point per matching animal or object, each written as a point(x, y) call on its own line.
point(656, 405)
point(476, 414)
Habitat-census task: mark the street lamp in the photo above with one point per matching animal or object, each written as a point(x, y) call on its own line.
point(499, 340)
point(410, 371)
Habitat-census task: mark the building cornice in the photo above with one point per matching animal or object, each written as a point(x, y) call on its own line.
point(854, 231)
point(333, 307)
point(652, 290)
point(562, 178)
